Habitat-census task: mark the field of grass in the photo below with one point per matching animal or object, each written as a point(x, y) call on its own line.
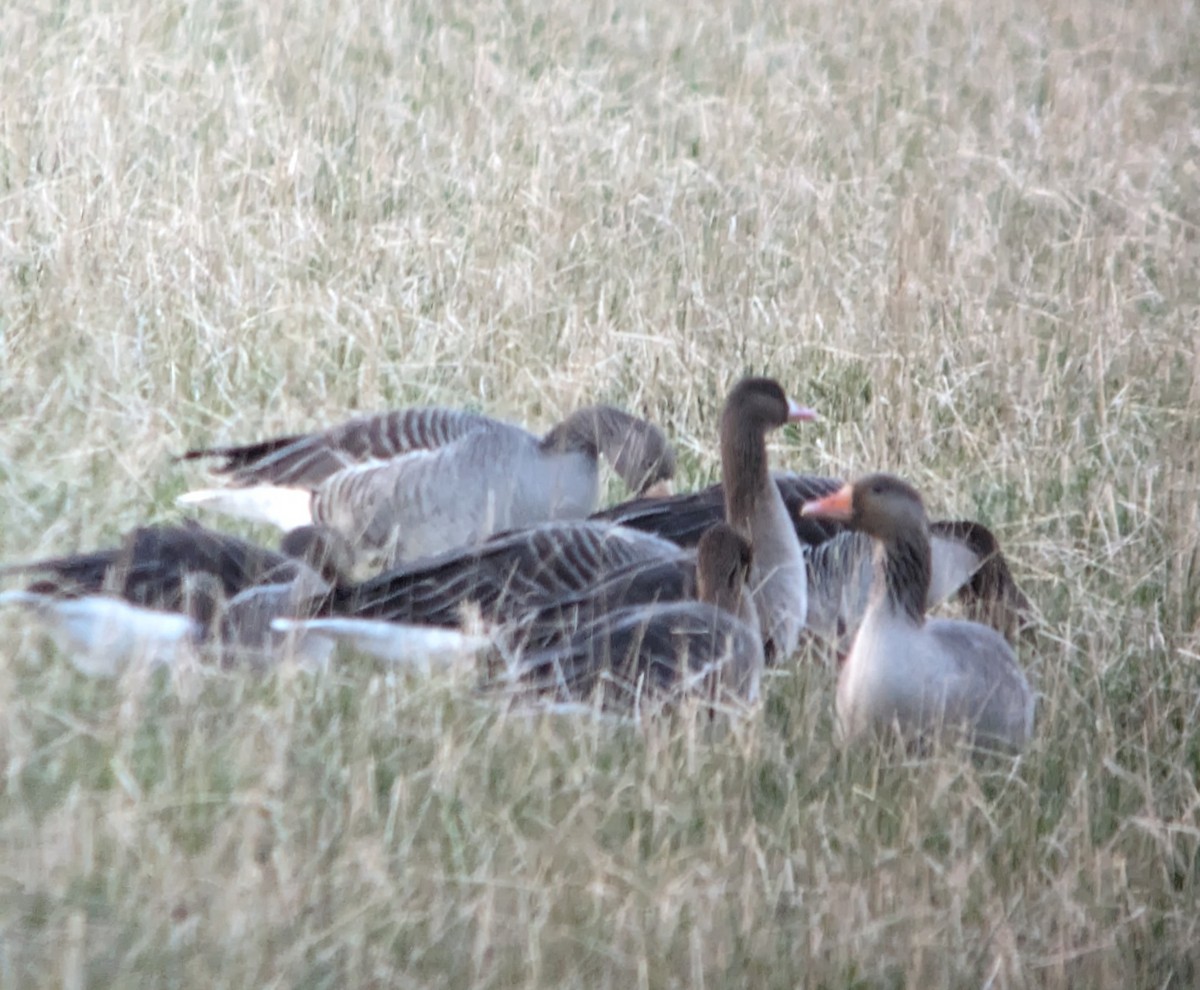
point(968, 232)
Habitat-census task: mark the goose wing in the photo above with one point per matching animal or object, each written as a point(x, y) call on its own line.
point(151, 566)
point(505, 576)
point(305, 460)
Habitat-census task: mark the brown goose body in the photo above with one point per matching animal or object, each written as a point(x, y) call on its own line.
point(152, 563)
point(643, 657)
point(504, 577)
point(922, 676)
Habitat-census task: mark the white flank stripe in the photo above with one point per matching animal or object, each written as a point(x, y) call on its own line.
point(421, 647)
point(101, 635)
point(287, 508)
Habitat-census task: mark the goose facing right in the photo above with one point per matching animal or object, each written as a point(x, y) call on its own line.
point(417, 482)
point(905, 671)
point(556, 567)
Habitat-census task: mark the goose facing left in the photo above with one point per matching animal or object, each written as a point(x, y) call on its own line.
point(417, 482)
point(922, 676)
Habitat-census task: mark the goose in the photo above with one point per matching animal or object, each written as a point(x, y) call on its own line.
point(558, 565)
point(417, 482)
point(646, 656)
point(169, 589)
point(967, 560)
point(904, 670)
point(497, 580)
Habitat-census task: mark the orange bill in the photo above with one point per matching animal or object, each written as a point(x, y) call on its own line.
point(839, 506)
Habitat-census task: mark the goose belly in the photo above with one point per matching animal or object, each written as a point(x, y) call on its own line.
point(889, 678)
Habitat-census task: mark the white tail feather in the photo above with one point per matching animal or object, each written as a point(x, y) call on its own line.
point(287, 508)
point(101, 635)
point(421, 647)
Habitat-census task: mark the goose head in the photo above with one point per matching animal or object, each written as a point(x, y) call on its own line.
point(644, 459)
point(723, 559)
point(637, 449)
point(880, 505)
point(755, 406)
point(761, 405)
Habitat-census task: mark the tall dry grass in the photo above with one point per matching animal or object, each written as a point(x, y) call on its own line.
point(967, 231)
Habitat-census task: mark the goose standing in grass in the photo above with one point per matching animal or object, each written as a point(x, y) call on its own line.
point(641, 657)
point(418, 482)
point(906, 671)
point(168, 589)
point(558, 566)
point(966, 557)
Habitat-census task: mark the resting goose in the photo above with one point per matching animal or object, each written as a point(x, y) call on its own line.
point(418, 482)
point(646, 656)
point(967, 559)
point(559, 565)
point(167, 589)
point(904, 670)
point(499, 579)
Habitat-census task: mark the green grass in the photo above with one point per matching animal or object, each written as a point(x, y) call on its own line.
point(966, 231)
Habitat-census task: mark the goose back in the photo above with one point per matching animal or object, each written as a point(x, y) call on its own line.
point(306, 460)
point(637, 584)
point(505, 576)
point(495, 478)
point(651, 654)
point(684, 518)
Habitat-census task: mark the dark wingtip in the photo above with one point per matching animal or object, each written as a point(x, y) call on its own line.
point(981, 540)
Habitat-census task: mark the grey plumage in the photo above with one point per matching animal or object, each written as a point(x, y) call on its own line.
point(903, 670)
point(421, 481)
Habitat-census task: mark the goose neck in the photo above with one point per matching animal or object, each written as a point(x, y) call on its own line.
point(744, 472)
point(903, 571)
